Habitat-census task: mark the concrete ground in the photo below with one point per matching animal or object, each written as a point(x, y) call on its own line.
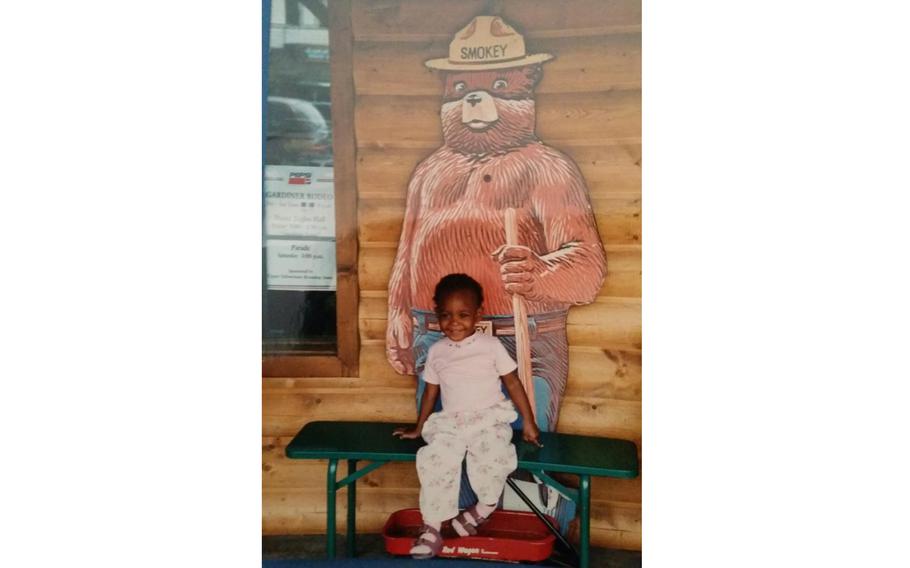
point(372, 546)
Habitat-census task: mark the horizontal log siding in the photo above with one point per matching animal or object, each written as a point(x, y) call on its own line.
point(589, 107)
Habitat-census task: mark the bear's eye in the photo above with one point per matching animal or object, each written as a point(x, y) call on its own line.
point(499, 84)
point(459, 86)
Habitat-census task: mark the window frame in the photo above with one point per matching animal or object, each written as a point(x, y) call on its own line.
point(345, 361)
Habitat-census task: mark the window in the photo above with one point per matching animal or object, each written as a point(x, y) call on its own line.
point(309, 246)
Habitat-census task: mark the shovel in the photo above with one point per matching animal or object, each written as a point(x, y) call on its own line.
point(520, 317)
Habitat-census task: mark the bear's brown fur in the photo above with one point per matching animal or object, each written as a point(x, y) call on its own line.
point(492, 160)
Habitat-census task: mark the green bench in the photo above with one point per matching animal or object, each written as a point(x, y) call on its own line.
point(584, 456)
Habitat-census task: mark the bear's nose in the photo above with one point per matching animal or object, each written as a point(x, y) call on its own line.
point(473, 99)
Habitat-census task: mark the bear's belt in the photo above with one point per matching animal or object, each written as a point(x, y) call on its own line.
point(505, 325)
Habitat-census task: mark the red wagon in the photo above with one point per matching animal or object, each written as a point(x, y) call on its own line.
point(512, 536)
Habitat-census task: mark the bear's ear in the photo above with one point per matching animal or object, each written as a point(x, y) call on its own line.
point(448, 78)
point(533, 73)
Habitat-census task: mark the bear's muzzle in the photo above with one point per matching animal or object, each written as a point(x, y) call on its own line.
point(478, 110)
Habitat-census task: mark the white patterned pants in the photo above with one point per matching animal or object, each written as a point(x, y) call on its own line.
point(485, 436)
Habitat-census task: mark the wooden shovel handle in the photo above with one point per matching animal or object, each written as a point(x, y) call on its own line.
point(520, 315)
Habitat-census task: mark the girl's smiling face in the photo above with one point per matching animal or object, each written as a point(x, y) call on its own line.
point(458, 315)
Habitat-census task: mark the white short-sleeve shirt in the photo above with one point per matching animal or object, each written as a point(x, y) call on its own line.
point(468, 371)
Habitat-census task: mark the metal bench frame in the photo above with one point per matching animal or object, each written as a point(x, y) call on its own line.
point(584, 456)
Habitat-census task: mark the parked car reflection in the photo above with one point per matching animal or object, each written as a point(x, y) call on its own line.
point(297, 134)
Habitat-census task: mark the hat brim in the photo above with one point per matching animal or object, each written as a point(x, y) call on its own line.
point(445, 65)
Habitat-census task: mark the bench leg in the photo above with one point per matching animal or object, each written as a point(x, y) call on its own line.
point(555, 531)
point(584, 503)
point(330, 509)
point(352, 510)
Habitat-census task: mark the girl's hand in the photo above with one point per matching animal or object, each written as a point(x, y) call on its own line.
point(406, 433)
point(531, 433)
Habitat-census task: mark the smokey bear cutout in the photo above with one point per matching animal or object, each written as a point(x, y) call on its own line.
point(491, 161)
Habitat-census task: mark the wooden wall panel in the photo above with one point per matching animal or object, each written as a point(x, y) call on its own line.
point(623, 268)
point(608, 322)
point(623, 272)
point(421, 20)
point(616, 539)
point(589, 107)
point(316, 403)
point(285, 413)
point(617, 525)
point(593, 371)
point(289, 385)
point(610, 168)
point(375, 265)
point(585, 64)
point(302, 511)
point(613, 322)
point(416, 121)
point(279, 472)
point(613, 490)
point(588, 118)
point(374, 304)
point(618, 218)
point(381, 219)
point(589, 368)
point(289, 424)
point(293, 491)
point(596, 416)
point(604, 373)
point(562, 119)
point(372, 354)
point(383, 173)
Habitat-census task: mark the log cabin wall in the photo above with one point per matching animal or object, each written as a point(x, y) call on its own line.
point(588, 106)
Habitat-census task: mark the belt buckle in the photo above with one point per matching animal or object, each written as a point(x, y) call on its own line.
point(485, 327)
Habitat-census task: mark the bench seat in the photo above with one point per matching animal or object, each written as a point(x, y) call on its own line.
point(584, 456)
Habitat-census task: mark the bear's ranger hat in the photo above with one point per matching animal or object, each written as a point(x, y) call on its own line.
point(487, 43)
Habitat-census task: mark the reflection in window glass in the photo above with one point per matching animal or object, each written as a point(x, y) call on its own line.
point(299, 211)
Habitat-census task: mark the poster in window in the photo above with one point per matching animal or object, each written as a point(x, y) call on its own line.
point(300, 228)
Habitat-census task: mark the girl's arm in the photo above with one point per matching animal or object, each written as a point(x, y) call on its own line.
point(530, 431)
point(427, 402)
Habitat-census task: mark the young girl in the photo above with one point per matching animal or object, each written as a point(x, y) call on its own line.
point(475, 418)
